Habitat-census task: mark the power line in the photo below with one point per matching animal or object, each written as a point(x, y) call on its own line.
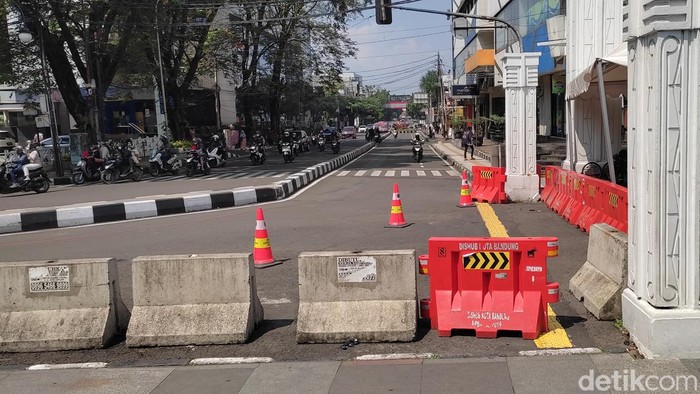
point(385, 68)
point(403, 54)
point(401, 38)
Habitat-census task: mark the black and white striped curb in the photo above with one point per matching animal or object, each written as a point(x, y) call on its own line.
point(81, 215)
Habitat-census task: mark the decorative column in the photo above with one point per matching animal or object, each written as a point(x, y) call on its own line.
point(661, 307)
point(520, 84)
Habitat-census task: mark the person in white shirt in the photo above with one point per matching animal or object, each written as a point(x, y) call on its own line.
point(34, 162)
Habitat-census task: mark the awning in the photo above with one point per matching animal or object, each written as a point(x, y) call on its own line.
point(12, 107)
point(614, 69)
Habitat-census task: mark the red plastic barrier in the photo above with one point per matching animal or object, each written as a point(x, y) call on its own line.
point(575, 206)
point(591, 200)
point(564, 195)
point(489, 184)
point(548, 184)
point(614, 206)
point(491, 284)
point(554, 192)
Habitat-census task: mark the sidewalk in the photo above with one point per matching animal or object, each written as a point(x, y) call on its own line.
point(540, 374)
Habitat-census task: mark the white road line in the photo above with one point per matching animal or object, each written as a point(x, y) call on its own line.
point(420, 173)
point(394, 356)
point(405, 173)
point(43, 367)
point(560, 352)
point(436, 173)
point(343, 173)
point(376, 173)
point(360, 173)
point(452, 173)
point(230, 360)
point(390, 173)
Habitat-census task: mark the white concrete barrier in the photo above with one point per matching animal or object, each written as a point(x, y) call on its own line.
point(601, 279)
point(193, 300)
point(369, 295)
point(63, 305)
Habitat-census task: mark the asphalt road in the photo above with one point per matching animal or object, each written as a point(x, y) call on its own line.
point(238, 172)
point(346, 211)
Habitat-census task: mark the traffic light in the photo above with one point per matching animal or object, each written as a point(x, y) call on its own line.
point(383, 11)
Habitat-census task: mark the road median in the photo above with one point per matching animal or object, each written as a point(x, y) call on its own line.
point(33, 219)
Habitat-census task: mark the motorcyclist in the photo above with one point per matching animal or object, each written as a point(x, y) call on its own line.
point(203, 154)
point(34, 161)
point(18, 162)
point(258, 139)
point(417, 138)
point(165, 149)
point(287, 138)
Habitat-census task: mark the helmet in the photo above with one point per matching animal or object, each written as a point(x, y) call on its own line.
point(215, 137)
point(417, 135)
point(18, 148)
point(286, 134)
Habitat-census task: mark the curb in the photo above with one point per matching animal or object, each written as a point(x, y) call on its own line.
point(445, 156)
point(81, 215)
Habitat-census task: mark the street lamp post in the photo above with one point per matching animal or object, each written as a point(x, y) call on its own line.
point(26, 37)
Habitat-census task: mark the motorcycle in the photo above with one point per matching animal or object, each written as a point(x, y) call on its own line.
point(396, 134)
point(195, 164)
point(257, 154)
point(296, 148)
point(217, 157)
point(287, 153)
point(87, 169)
point(335, 145)
point(417, 151)
point(378, 138)
point(125, 164)
point(314, 140)
point(39, 182)
point(321, 144)
point(156, 165)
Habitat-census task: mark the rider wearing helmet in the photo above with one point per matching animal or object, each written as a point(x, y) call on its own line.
point(165, 149)
point(417, 137)
point(19, 161)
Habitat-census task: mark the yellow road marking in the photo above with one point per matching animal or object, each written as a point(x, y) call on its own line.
point(556, 337)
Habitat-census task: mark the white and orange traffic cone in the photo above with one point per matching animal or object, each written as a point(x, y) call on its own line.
point(262, 251)
point(465, 194)
point(396, 219)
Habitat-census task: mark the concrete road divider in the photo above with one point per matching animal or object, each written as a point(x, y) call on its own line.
point(193, 300)
point(602, 278)
point(369, 295)
point(61, 305)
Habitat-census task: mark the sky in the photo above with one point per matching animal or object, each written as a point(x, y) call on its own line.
point(396, 56)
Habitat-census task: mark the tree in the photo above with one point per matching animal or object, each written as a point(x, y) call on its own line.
point(82, 40)
point(430, 83)
point(415, 110)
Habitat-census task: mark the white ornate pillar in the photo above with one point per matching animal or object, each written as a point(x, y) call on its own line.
point(661, 306)
point(520, 84)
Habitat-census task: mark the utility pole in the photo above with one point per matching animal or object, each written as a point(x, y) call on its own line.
point(441, 104)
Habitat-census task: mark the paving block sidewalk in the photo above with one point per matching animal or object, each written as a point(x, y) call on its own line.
point(536, 374)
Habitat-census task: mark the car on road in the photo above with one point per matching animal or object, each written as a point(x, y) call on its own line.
point(7, 141)
point(348, 132)
point(362, 129)
point(63, 142)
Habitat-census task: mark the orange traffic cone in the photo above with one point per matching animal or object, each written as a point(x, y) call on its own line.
point(262, 252)
point(465, 194)
point(396, 218)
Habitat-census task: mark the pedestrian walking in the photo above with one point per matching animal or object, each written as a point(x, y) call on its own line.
point(468, 142)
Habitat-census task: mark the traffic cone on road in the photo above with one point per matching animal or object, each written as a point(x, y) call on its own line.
point(262, 251)
point(396, 219)
point(465, 194)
